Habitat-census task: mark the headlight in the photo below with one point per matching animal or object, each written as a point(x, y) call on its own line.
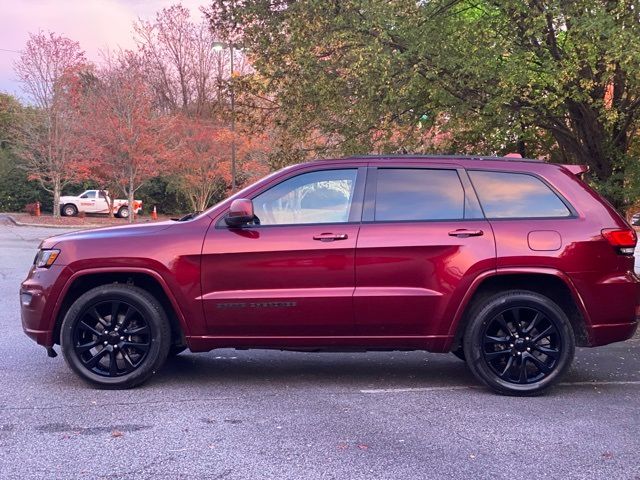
point(45, 258)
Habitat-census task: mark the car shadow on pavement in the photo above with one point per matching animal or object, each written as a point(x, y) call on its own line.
point(291, 369)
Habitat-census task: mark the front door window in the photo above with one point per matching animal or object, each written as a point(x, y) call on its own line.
point(311, 198)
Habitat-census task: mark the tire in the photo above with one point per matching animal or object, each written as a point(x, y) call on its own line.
point(120, 354)
point(518, 342)
point(69, 210)
point(123, 212)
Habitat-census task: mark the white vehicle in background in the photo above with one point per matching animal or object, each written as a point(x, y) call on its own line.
point(96, 201)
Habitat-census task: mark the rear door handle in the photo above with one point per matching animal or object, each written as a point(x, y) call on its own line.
point(464, 233)
point(330, 237)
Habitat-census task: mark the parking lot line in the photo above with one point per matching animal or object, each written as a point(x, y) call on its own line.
point(465, 387)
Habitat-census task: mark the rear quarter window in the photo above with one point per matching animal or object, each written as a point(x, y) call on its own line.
point(516, 195)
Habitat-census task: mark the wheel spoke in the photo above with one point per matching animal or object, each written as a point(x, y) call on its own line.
point(516, 319)
point(491, 340)
point(93, 361)
point(127, 317)
point(128, 360)
point(96, 315)
point(113, 364)
point(550, 352)
point(543, 367)
point(533, 323)
point(115, 306)
point(86, 346)
point(137, 331)
point(503, 323)
point(85, 326)
point(507, 368)
point(142, 347)
point(522, 372)
point(493, 355)
point(546, 332)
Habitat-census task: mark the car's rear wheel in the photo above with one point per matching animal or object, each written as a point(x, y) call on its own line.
point(518, 342)
point(123, 212)
point(69, 210)
point(115, 336)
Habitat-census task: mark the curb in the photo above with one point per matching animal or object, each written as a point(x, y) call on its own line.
point(48, 225)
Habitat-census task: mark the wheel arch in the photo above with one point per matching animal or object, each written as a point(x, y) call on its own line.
point(551, 283)
point(151, 281)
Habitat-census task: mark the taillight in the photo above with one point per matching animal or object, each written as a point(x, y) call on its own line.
point(623, 239)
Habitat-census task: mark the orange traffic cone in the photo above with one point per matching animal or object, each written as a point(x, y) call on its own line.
point(154, 214)
point(37, 212)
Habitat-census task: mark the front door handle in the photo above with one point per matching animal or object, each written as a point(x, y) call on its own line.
point(330, 237)
point(464, 233)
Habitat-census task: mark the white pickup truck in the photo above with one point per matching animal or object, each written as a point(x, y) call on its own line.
point(96, 201)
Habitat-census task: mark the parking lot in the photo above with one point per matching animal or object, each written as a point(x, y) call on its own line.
point(260, 414)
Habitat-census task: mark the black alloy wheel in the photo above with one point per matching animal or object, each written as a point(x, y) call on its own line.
point(518, 342)
point(521, 345)
point(115, 336)
point(112, 338)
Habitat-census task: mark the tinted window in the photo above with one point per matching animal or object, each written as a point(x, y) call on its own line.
point(516, 195)
point(418, 194)
point(89, 194)
point(315, 197)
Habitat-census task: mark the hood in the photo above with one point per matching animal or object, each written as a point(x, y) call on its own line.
point(121, 231)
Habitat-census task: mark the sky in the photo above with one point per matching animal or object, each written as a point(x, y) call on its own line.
point(96, 24)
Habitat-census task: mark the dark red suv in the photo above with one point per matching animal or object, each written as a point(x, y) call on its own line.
point(507, 263)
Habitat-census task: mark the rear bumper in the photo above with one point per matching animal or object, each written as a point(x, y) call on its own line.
point(605, 334)
point(611, 305)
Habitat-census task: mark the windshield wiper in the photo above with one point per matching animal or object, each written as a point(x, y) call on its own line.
point(188, 216)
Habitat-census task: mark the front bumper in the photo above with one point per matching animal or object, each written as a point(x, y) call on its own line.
point(38, 296)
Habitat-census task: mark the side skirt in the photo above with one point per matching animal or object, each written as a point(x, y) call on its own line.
point(435, 343)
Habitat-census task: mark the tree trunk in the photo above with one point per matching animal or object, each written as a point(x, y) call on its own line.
point(589, 143)
point(111, 203)
point(130, 200)
point(56, 198)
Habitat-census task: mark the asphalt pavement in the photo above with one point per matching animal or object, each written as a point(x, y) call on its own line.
point(260, 414)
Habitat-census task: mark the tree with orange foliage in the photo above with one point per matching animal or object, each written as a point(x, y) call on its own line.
point(47, 142)
point(201, 160)
point(126, 139)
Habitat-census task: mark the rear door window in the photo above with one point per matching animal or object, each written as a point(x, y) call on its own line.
point(405, 194)
point(516, 195)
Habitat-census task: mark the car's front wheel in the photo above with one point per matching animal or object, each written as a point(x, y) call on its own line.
point(115, 336)
point(518, 342)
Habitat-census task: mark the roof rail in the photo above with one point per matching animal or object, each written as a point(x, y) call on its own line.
point(507, 158)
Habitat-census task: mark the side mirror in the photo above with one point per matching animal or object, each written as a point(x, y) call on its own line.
point(240, 213)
